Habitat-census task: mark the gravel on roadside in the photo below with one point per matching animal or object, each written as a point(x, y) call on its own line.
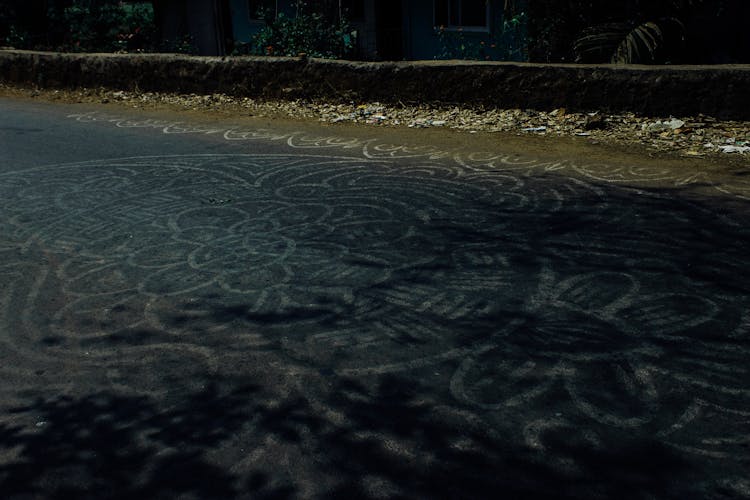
point(693, 136)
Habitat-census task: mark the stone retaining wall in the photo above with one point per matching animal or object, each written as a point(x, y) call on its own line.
point(720, 91)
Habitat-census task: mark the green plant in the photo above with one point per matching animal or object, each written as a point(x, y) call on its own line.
point(7, 22)
point(309, 32)
point(104, 26)
point(654, 32)
point(506, 42)
point(17, 38)
point(16, 28)
point(454, 44)
point(181, 45)
point(554, 24)
point(512, 39)
point(689, 31)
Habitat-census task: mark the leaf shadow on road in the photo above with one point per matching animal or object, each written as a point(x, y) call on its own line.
point(421, 453)
point(375, 436)
point(395, 442)
point(391, 444)
point(109, 445)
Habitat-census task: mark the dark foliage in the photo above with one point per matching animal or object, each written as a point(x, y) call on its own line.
point(662, 31)
point(78, 25)
point(317, 29)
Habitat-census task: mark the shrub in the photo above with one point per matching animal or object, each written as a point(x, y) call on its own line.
point(107, 26)
point(643, 31)
point(78, 25)
point(309, 32)
point(506, 42)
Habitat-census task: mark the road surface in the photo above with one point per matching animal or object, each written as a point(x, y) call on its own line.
point(239, 309)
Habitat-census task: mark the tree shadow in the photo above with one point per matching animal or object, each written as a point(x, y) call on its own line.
point(107, 445)
point(388, 437)
point(396, 444)
point(394, 435)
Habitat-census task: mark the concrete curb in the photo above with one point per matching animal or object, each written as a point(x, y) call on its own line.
point(720, 91)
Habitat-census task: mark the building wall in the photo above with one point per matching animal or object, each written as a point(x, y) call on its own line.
point(204, 25)
point(420, 39)
point(424, 41)
point(200, 20)
point(244, 27)
point(366, 35)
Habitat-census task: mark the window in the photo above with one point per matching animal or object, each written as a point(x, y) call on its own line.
point(259, 10)
point(471, 14)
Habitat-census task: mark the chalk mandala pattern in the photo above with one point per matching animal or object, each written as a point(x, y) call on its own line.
point(736, 185)
point(629, 306)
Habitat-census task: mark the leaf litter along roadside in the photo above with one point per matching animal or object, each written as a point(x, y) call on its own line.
point(698, 136)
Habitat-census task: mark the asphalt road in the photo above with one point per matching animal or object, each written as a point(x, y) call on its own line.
point(211, 310)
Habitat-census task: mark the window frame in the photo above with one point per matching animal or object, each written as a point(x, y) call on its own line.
point(460, 27)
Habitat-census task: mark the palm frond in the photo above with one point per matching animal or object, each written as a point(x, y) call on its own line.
point(653, 34)
point(627, 43)
point(639, 45)
point(598, 43)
